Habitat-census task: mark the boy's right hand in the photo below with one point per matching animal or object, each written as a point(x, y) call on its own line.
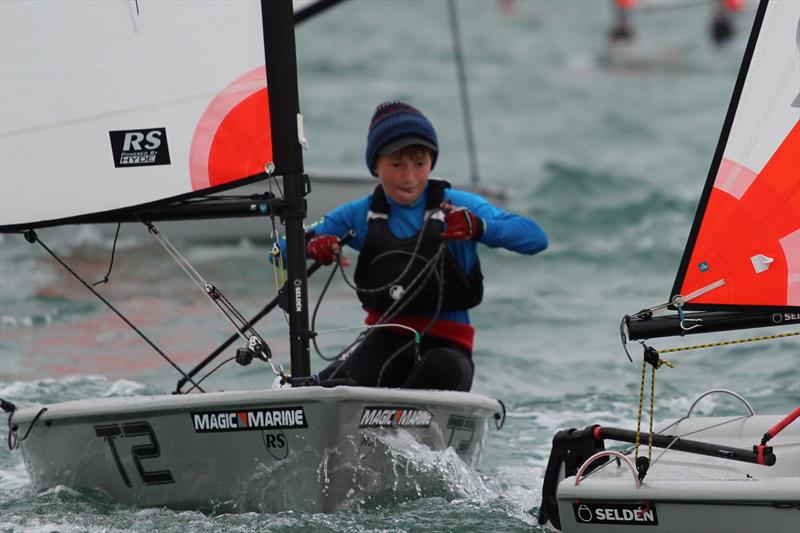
point(324, 249)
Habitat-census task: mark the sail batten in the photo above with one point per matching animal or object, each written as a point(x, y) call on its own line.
point(748, 221)
point(106, 107)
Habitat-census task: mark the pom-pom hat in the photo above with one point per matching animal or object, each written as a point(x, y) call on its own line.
point(396, 125)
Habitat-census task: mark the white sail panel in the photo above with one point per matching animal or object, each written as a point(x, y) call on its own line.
point(181, 83)
point(765, 114)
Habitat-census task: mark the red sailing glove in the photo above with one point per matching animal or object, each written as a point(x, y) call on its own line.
point(462, 224)
point(323, 248)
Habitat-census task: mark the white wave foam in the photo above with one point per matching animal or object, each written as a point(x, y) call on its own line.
point(49, 390)
point(14, 479)
point(124, 387)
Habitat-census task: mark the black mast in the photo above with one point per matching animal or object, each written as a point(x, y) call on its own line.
point(284, 110)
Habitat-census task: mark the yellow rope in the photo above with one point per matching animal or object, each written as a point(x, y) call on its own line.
point(278, 258)
point(278, 272)
point(726, 343)
point(652, 411)
point(661, 362)
point(639, 415)
point(657, 364)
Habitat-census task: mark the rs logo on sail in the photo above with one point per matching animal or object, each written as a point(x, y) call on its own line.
point(135, 148)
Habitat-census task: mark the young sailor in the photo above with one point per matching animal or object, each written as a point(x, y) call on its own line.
point(722, 28)
point(622, 31)
point(418, 265)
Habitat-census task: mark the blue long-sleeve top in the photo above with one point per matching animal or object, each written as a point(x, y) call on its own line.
point(502, 229)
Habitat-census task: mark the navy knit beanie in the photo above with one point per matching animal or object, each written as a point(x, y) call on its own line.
point(396, 125)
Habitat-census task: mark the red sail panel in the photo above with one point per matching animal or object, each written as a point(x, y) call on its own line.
point(750, 234)
point(232, 138)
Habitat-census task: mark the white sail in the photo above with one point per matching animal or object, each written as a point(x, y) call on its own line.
point(119, 103)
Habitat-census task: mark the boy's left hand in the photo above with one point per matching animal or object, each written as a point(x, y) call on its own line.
point(461, 224)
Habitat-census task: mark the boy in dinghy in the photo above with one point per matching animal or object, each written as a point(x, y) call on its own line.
point(418, 268)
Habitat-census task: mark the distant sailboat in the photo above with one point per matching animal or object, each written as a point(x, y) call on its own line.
point(740, 269)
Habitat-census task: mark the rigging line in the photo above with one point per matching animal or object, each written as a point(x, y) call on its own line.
point(727, 343)
point(314, 317)
point(111, 264)
point(215, 295)
point(274, 178)
point(350, 328)
point(428, 270)
point(31, 236)
point(250, 324)
point(13, 439)
point(630, 449)
point(418, 338)
point(462, 85)
point(390, 313)
point(678, 437)
point(278, 272)
point(182, 262)
point(226, 361)
point(414, 254)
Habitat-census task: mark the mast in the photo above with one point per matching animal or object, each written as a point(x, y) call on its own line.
point(284, 107)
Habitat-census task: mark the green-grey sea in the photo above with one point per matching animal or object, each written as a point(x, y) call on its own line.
point(609, 157)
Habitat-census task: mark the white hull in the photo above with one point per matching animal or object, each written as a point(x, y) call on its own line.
point(684, 492)
point(307, 449)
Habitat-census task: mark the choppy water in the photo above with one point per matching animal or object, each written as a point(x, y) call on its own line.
point(609, 161)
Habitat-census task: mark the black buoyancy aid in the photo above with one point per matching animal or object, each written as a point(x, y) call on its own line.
point(384, 257)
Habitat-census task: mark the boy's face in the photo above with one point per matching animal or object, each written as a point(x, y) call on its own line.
point(404, 174)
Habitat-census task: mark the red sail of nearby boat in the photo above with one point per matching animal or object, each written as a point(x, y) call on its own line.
point(743, 253)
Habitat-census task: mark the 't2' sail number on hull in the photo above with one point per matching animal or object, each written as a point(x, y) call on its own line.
point(111, 432)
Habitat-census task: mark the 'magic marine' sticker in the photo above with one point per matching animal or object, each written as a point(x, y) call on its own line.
point(250, 419)
point(404, 417)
